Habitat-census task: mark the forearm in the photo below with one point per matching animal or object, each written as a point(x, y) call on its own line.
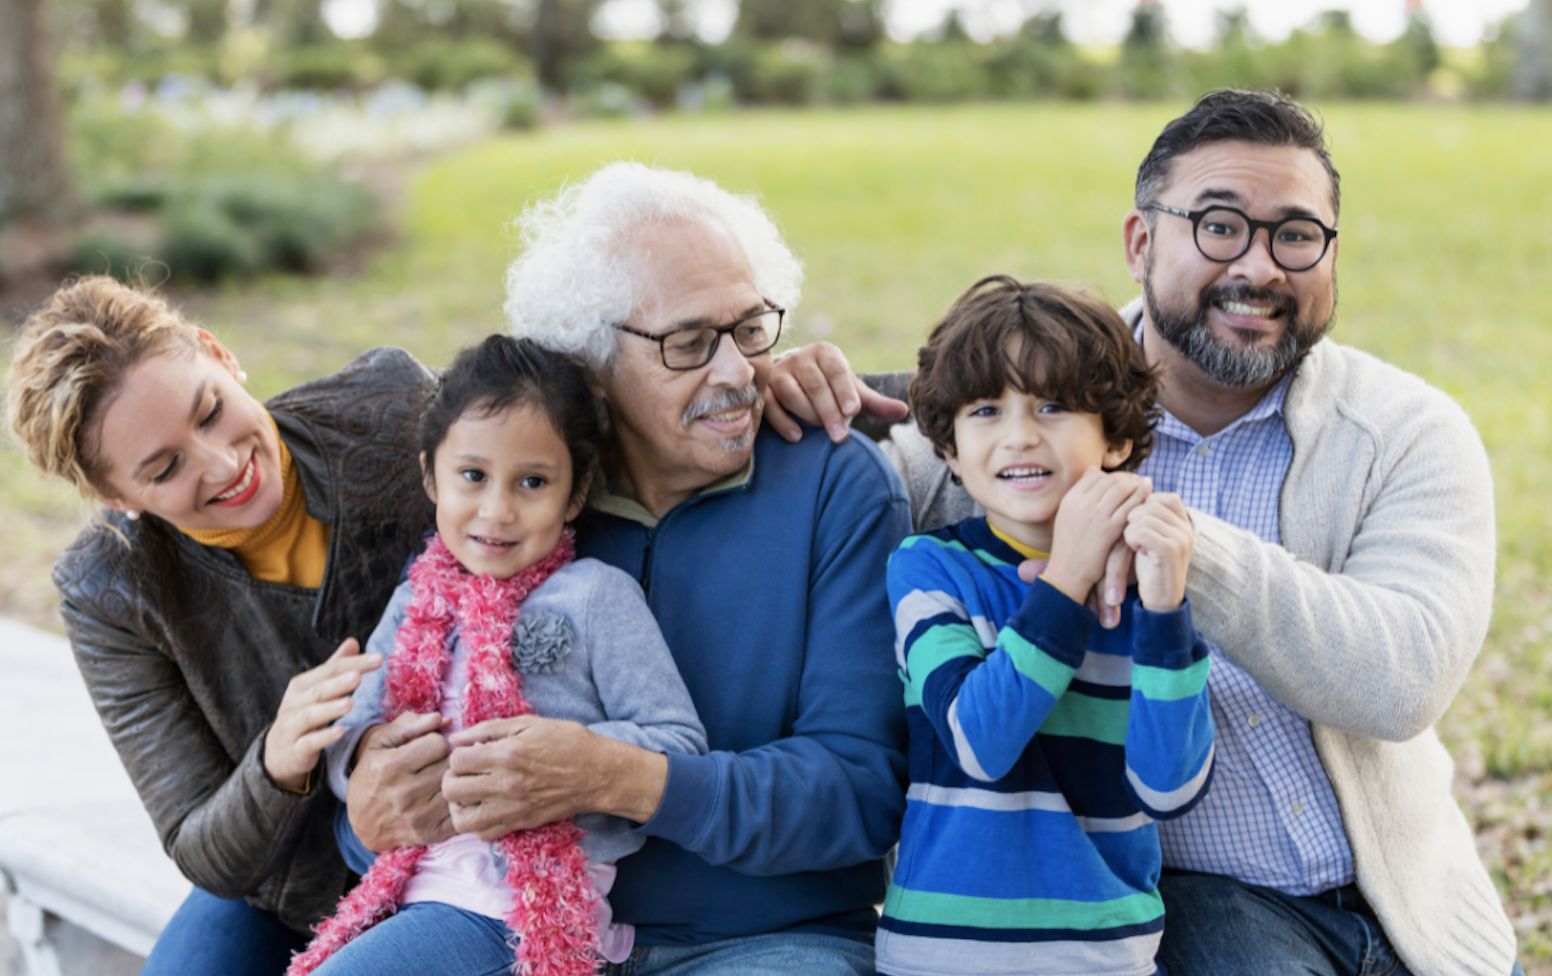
point(1379, 649)
point(1169, 734)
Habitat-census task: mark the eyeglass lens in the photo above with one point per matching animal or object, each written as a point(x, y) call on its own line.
point(1223, 235)
point(692, 348)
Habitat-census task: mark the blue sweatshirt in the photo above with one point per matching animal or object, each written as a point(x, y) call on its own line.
point(769, 591)
point(1042, 751)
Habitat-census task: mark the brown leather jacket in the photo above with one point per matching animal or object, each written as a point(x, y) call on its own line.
point(187, 657)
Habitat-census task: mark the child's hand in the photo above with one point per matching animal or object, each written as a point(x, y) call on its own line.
point(1090, 519)
point(1160, 531)
point(304, 724)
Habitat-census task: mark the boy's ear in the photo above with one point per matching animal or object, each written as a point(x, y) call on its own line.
point(579, 497)
point(952, 458)
point(427, 479)
point(1116, 455)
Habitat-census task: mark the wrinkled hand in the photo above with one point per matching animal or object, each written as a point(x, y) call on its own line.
point(394, 796)
point(519, 773)
point(815, 383)
point(1160, 530)
point(1106, 599)
point(304, 724)
point(1089, 523)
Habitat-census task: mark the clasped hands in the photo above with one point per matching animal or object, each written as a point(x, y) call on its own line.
point(412, 785)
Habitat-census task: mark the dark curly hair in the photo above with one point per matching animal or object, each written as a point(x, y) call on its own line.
point(1072, 348)
point(503, 372)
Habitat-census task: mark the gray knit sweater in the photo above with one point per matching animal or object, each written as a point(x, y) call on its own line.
point(588, 651)
point(1364, 620)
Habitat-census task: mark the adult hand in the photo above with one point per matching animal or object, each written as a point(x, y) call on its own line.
point(518, 773)
point(304, 724)
point(1160, 530)
point(815, 383)
point(1089, 522)
point(1106, 599)
point(394, 796)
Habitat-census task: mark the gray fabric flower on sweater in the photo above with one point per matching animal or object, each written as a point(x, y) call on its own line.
point(539, 641)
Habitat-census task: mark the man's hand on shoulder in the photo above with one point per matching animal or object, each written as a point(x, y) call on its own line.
point(815, 384)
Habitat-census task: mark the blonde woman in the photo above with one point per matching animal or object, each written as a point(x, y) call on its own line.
point(240, 552)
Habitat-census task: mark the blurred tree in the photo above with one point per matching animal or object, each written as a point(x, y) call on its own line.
point(834, 23)
point(562, 36)
point(1416, 45)
point(297, 22)
point(207, 21)
point(678, 22)
point(35, 179)
point(1147, 64)
point(1532, 79)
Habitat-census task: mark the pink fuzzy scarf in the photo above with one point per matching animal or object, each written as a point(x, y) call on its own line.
point(553, 895)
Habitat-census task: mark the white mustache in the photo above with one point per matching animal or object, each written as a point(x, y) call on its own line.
point(721, 403)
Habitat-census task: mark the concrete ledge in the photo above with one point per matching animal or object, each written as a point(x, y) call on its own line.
point(76, 845)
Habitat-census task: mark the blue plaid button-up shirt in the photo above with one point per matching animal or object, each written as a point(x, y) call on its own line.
point(1270, 817)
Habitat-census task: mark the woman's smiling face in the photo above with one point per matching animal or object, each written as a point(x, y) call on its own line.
point(181, 439)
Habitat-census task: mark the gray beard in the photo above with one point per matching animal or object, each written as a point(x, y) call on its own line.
point(1227, 364)
point(721, 403)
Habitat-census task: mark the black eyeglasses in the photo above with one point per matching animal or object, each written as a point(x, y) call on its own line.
point(1223, 234)
point(693, 348)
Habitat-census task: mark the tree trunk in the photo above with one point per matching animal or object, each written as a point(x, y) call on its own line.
point(1532, 81)
point(35, 177)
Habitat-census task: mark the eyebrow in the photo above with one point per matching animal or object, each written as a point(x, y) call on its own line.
point(482, 459)
point(199, 397)
point(1229, 196)
point(706, 321)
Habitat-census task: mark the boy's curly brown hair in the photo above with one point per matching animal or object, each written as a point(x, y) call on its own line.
point(1072, 348)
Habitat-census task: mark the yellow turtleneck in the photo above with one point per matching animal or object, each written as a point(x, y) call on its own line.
point(290, 547)
point(1028, 552)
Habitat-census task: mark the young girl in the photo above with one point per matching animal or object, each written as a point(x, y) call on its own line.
point(497, 620)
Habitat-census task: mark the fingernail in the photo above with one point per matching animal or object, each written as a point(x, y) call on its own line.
point(849, 406)
point(1113, 596)
point(373, 659)
point(837, 431)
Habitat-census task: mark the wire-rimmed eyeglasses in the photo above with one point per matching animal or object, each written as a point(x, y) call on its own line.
point(693, 347)
point(1223, 234)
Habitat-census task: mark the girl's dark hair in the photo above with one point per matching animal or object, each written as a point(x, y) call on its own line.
point(1072, 348)
point(503, 372)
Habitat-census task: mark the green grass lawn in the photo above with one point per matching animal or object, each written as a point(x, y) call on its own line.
point(1446, 243)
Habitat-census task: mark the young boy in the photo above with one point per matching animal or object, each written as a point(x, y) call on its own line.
point(1043, 748)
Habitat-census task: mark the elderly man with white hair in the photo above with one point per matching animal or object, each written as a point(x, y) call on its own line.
point(763, 563)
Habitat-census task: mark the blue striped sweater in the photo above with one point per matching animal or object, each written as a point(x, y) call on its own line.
point(1043, 748)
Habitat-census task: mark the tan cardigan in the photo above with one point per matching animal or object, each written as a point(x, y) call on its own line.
point(1364, 621)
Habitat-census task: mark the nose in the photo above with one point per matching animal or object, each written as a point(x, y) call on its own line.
point(1256, 265)
point(1023, 432)
point(498, 507)
point(221, 463)
point(728, 367)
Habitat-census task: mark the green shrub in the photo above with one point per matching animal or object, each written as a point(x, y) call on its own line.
point(441, 64)
point(328, 67)
point(206, 245)
point(654, 71)
point(110, 254)
point(925, 71)
point(787, 73)
point(850, 80)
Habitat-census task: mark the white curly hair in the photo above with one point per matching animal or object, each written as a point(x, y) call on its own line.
point(573, 281)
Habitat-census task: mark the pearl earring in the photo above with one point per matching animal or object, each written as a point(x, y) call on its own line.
point(242, 377)
point(131, 514)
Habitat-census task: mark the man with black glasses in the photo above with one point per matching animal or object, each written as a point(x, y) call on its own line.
point(762, 562)
point(1343, 569)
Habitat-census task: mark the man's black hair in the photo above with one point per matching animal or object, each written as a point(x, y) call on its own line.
point(1266, 118)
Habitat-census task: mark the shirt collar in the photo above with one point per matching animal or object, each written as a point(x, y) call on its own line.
point(601, 496)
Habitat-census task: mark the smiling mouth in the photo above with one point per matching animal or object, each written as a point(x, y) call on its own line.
point(491, 543)
point(243, 488)
point(1027, 475)
point(1250, 311)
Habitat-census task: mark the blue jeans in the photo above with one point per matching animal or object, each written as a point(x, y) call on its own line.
point(426, 937)
point(212, 935)
point(780, 954)
point(1217, 926)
